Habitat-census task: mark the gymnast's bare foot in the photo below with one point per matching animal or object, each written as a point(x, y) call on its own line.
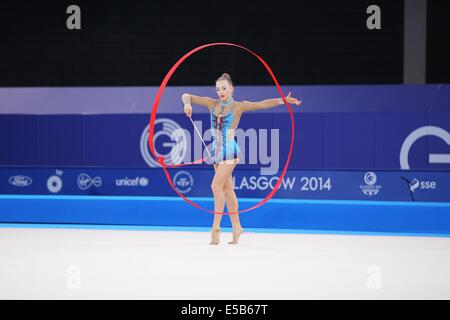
point(215, 235)
point(236, 234)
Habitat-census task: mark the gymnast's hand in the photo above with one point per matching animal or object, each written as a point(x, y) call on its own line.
point(293, 100)
point(188, 109)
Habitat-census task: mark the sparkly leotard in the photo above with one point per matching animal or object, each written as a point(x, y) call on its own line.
point(224, 147)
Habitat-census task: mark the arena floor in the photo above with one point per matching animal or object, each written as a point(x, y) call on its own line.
point(63, 263)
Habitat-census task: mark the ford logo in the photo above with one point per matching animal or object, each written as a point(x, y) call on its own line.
point(20, 181)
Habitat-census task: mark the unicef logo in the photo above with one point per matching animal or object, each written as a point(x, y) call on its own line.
point(132, 182)
point(176, 142)
point(84, 181)
point(183, 181)
point(370, 178)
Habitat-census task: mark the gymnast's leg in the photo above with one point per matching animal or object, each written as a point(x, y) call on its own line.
point(223, 171)
point(233, 206)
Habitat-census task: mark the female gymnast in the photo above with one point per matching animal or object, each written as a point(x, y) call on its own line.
point(225, 114)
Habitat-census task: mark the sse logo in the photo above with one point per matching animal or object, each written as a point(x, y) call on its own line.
point(422, 185)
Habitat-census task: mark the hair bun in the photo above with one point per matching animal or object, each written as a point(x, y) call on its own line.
point(227, 77)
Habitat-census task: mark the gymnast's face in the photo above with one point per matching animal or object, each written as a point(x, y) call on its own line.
point(224, 90)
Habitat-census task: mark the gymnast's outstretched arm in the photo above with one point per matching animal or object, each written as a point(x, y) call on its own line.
point(201, 101)
point(268, 103)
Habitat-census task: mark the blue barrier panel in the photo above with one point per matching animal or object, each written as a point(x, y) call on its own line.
point(349, 216)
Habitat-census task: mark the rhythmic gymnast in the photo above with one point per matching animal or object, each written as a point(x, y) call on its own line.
point(225, 114)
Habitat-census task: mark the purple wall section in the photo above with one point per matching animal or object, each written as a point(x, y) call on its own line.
point(100, 100)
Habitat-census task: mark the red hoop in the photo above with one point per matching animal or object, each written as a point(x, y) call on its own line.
point(160, 159)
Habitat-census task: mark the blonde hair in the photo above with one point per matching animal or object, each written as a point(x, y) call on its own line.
point(226, 77)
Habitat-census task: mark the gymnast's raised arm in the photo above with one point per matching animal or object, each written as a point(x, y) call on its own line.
point(201, 101)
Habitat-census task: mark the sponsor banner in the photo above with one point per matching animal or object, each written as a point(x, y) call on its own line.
point(297, 184)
